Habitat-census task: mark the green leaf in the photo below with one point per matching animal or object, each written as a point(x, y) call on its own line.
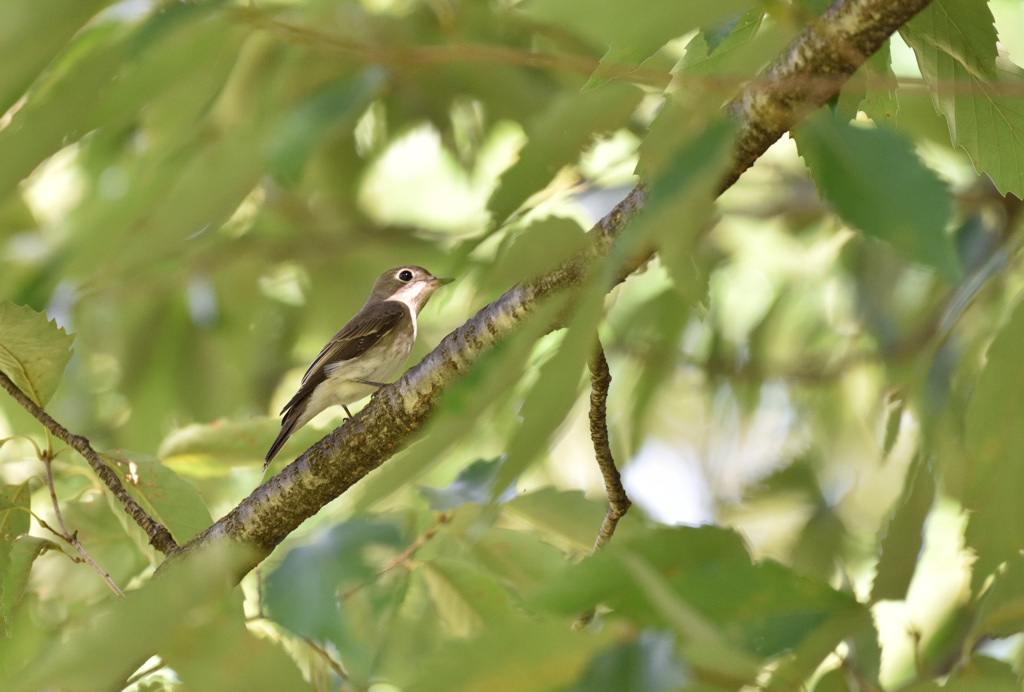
point(557, 136)
point(214, 449)
point(335, 106)
point(540, 247)
point(475, 484)
point(522, 560)
point(103, 80)
point(190, 616)
point(33, 351)
point(876, 183)
point(467, 599)
point(684, 171)
point(880, 102)
point(994, 438)
point(703, 644)
point(555, 392)
point(15, 578)
point(33, 32)
point(562, 515)
point(904, 534)
point(1001, 610)
point(832, 681)
point(746, 48)
point(632, 31)
point(15, 522)
point(513, 656)
point(163, 494)
point(648, 663)
point(302, 592)
point(764, 608)
point(973, 87)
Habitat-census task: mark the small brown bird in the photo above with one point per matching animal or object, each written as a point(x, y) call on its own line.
point(370, 349)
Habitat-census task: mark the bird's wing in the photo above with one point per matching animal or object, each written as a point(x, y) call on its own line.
point(354, 338)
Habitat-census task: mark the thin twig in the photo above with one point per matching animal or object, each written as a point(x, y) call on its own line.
point(334, 665)
point(450, 53)
point(72, 538)
point(618, 501)
point(159, 537)
point(403, 557)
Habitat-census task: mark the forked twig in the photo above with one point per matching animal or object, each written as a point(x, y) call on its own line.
point(159, 537)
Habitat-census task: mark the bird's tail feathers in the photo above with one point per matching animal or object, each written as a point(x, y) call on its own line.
point(288, 427)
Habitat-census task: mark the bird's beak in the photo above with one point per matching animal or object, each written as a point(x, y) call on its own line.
point(440, 281)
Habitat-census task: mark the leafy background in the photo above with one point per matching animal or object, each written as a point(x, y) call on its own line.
point(816, 383)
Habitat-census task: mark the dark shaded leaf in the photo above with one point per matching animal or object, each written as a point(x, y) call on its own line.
point(648, 664)
point(302, 592)
point(475, 484)
point(900, 201)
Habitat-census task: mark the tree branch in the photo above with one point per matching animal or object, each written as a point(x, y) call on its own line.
point(618, 501)
point(811, 71)
point(159, 537)
point(67, 536)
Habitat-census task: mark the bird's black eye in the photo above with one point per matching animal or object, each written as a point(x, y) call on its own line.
point(405, 275)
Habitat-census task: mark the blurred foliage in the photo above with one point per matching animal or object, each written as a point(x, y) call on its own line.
point(817, 374)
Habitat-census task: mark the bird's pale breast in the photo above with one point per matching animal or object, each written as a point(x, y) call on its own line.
point(379, 364)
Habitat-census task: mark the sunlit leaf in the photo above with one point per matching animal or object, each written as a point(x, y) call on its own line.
point(213, 449)
point(904, 534)
point(33, 351)
point(995, 474)
point(973, 87)
point(164, 495)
